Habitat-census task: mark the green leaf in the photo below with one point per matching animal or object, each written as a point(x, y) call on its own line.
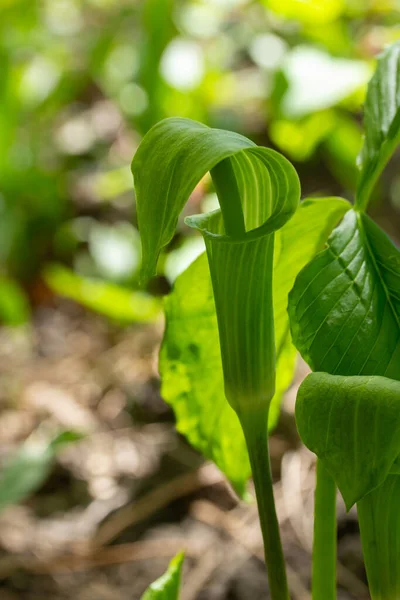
point(344, 313)
point(353, 425)
point(381, 122)
point(345, 305)
point(175, 155)
point(167, 586)
point(26, 470)
point(170, 161)
point(114, 301)
point(14, 304)
point(190, 359)
point(379, 518)
point(191, 375)
point(314, 12)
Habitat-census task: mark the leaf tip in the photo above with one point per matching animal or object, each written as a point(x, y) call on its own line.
point(148, 270)
point(348, 504)
point(178, 559)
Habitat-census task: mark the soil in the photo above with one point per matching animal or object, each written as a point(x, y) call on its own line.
point(123, 500)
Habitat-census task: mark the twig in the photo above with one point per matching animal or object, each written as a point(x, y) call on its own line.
point(206, 475)
point(351, 582)
point(201, 573)
point(112, 555)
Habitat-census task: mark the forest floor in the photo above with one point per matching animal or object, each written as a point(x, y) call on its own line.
point(123, 500)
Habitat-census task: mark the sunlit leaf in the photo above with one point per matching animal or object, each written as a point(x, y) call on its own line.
point(167, 586)
point(190, 361)
point(299, 139)
point(316, 12)
point(109, 299)
point(381, 121)
point(178, 260)
point(353, 425)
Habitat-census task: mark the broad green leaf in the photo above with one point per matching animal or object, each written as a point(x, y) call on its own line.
point(379, 518)
point(26, 470)
point(114, 301)
point(353, 425)
point(345, 305)
point(190, 360)
point(191, 375)
point(381, 121)
point(167, 586)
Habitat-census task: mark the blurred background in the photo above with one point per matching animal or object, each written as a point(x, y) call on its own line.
point(97, 491)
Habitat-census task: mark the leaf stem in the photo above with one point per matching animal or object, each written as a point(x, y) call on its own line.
point(226, 186)
point(379, 520)
point(255, 428)
point(324, 549)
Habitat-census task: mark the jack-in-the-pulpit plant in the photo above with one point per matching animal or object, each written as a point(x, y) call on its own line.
point(258, 191)
point(345, 320)
point(167, 586)
point(228, 334)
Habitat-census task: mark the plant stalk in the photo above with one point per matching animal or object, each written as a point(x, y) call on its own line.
point(226, 186)
point(324, 548)
point(255, 428)
point(379, 519)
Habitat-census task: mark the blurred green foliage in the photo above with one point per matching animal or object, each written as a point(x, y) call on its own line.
point(28, 468)
point(82, 80)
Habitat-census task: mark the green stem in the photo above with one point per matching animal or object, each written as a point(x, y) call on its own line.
point(255, 428)
point(379, 520)
point(324, 550)
point(225, 184)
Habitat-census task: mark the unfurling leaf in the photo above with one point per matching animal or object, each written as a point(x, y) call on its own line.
point(167, 586)
point(353, 425)
point(116, 302)
point(381, 121)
